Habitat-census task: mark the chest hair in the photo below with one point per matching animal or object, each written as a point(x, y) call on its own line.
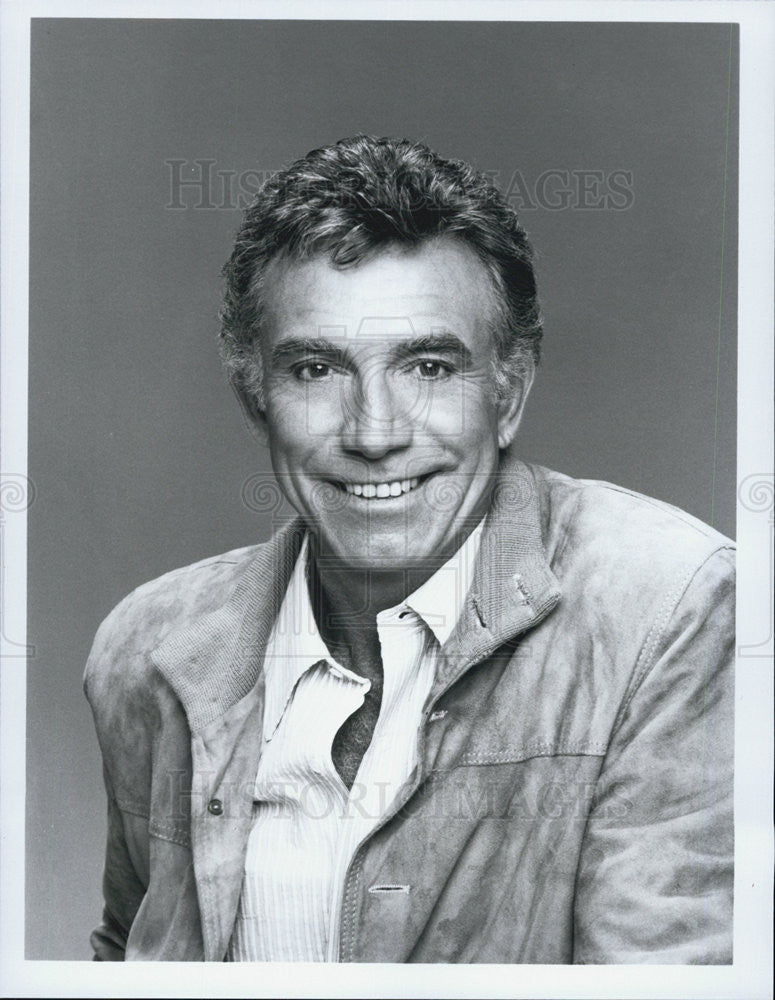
point(354, 736)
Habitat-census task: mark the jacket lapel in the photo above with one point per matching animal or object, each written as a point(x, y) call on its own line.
point(214, 665)
point(514, 587)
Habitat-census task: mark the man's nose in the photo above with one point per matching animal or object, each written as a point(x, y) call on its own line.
point(376, 419)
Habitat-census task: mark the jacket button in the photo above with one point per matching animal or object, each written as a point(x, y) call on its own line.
point(215, 806)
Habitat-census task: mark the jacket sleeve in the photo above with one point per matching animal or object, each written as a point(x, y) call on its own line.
point(655, 876)
point(123, 893)
point(123, 889)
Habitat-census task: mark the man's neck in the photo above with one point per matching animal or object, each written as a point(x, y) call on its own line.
point(347, 600)
point(357, 594)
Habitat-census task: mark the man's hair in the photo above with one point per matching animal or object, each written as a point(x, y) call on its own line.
point(362, 195)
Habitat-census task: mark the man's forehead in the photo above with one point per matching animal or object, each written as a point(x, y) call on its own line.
point(334, 326)
point(421, 303)
point(395, 293)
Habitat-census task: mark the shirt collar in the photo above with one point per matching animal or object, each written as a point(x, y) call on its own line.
point(215, 657)
point(295, 644)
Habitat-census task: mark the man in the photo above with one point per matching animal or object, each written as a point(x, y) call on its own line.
point(462, 709)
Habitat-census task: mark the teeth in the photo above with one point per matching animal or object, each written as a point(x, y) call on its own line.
point(382, 490)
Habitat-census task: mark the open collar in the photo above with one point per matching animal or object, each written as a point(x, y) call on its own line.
point(215, 661)
point(295, 645)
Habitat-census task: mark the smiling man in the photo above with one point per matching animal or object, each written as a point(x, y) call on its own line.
point(463, 709)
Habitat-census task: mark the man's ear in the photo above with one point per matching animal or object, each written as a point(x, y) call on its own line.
point(512, 406)
point(255, 418)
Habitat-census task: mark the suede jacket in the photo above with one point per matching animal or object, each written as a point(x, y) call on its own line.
point(573, 797)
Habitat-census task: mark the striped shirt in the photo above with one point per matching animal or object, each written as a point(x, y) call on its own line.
point(307, 825)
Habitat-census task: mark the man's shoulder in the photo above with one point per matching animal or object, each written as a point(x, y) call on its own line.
point(598, 523)
point(177, 596)
point(150, 612)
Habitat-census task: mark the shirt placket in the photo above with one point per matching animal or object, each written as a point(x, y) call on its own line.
point(298, 785)
point(390, 758)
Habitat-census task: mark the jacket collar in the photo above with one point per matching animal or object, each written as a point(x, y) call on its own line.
point(439, 601)
point(215, 661)
point(514, 587)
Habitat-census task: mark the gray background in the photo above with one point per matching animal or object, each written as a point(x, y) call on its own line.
point(136, 446)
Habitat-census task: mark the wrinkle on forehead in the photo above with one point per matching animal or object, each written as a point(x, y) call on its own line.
point(445, 287)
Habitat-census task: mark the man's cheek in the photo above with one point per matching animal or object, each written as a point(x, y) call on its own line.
point(462, 413)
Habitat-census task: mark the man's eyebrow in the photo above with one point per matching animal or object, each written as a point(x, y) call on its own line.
point(433, 343)
point(299, 347)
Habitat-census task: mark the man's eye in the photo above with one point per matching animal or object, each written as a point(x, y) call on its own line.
point(432, 369)
point(312, 371)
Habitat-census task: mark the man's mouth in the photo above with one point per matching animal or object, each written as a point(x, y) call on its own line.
point(383, 491)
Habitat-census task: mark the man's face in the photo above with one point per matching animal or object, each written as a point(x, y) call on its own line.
point(380, 413)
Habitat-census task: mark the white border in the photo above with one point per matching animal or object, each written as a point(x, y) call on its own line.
point(749, 978)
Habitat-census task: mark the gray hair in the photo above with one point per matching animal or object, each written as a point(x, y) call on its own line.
point(361, 195)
